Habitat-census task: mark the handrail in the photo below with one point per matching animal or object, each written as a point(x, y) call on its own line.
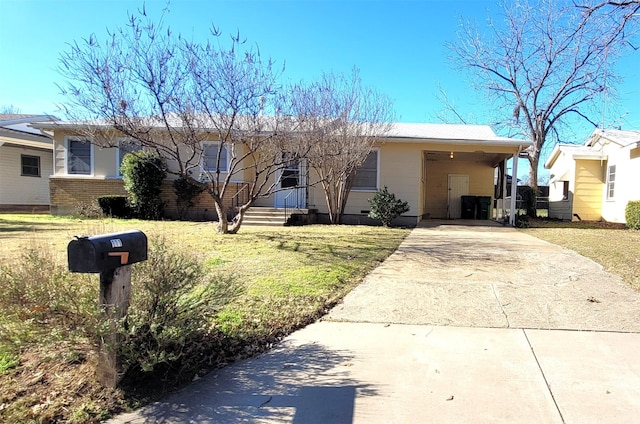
point(235, 202)
point(286, 202)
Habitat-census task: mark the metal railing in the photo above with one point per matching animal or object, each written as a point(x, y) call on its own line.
point(286, 201)
point(237, 199)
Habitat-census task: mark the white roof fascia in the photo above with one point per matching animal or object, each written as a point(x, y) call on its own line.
point(506, 142)
point(26, 143)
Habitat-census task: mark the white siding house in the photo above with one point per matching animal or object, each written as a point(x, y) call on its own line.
point(26, 163)
point(595, 181)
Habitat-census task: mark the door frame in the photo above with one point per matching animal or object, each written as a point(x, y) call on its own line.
point(300, 197)
point(454, 198)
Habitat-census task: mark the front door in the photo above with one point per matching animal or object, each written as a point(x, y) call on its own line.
point(291, 189)
point(458, 187)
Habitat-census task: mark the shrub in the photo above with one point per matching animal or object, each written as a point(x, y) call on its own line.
point(174, 302)
point(52, 302)
point(143, 173)
point(522, 221)
point(632, 214)
point(186, 190)
point(115, 206)
point(385, 207)
point(87, 210)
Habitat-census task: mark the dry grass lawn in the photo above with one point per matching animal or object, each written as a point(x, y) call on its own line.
point(290, 276)
point(613, 246)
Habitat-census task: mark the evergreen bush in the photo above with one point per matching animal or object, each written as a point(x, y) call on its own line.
point(143, 173)
point(632, 214)
point(385, 207)
point(186, 190)
point(115, 206)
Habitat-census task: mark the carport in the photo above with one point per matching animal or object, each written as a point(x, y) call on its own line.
point(457, 172)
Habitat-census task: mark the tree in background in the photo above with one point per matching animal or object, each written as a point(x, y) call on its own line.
point(541, 66)
point(337, 121)
point(170, 95)
point(9, 110)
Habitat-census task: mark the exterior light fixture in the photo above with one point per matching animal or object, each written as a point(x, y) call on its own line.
point(451, 155)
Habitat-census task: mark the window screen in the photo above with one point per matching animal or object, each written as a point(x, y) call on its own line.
point(367, 175)
point(79, 157)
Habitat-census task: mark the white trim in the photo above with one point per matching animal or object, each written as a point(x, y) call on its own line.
point(608, 181)
point(378, 161)
point(204, 145)
point(66, 155)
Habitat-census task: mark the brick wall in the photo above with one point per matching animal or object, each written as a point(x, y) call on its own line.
point(68, 193)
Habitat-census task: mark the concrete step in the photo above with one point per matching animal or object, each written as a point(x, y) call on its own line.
point(269, 216)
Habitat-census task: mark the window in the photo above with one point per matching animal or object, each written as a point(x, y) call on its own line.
point(366, 177)
point(78, 156)
point(291, 172)
point(126, 146)
point(210, 157)
point(30, 166)
point(611, 181)
point(565, 190)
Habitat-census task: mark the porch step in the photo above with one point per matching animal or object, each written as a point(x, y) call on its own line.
point(274, 217)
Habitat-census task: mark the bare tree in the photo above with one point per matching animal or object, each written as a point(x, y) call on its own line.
point(171, 95)
point(541, 66)
point(9, 110)
point(623, 12)
point(338, 120)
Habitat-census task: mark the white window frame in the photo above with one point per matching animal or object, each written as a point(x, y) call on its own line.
point(118, 152)
point(67, 140)
point(367, 189)
point(611, 185)
point(207, 144)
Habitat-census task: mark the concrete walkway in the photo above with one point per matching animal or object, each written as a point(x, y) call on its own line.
point(464, 323)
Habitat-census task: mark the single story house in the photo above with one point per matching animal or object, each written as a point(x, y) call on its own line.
point(596, 180)
point(26, 162)
point(428, 165)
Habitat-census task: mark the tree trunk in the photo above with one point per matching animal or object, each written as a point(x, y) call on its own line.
point(237, 220)
point(223, 222)
point(534, 160)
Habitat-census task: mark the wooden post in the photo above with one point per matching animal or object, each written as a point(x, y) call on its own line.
point(115, 293)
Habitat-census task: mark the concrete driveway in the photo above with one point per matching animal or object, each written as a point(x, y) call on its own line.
point(490, 276)
point(463, 324)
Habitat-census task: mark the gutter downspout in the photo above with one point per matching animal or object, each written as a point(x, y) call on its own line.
point(514, 188)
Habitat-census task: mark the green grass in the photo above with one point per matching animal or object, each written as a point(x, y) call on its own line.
point(613, 246)
point(289, 276)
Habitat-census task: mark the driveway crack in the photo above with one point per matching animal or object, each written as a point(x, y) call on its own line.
point(495, 294)
point(544, 377)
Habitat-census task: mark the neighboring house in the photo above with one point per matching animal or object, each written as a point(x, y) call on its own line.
point(595, 181)
point(429, 165)
point(26, 162)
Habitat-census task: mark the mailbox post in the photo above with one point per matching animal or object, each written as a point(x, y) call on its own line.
point(111, 255)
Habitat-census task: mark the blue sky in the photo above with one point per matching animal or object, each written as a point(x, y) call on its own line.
point(397, 45)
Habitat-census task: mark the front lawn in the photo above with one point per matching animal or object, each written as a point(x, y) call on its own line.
point(271, 281)
point(613, 246)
